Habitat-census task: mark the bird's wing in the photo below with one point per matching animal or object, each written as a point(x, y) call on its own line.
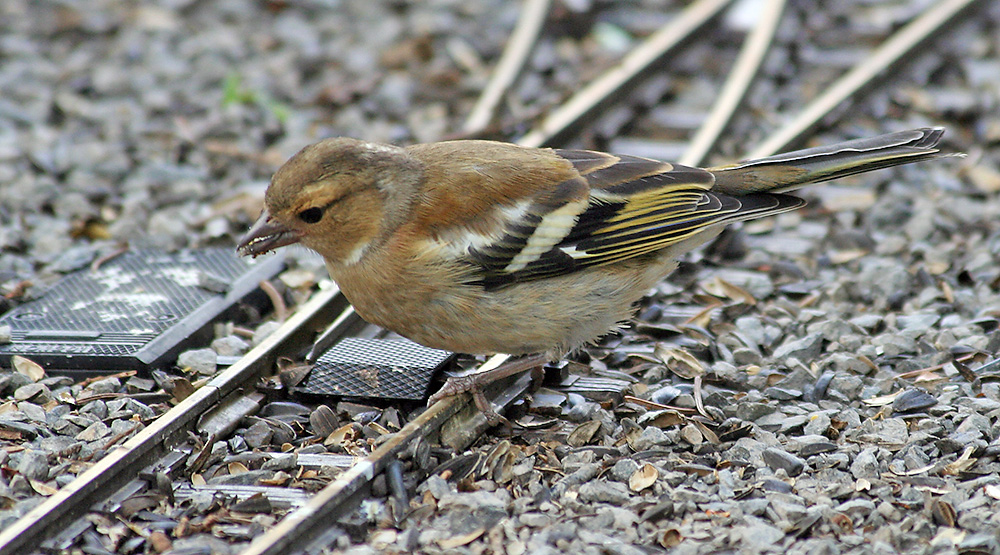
point(634, 206)
point(597, 209)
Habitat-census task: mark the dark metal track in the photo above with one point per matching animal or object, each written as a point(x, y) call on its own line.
point(123, 463)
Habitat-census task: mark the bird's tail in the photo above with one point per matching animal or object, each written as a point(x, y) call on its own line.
point(791, 170)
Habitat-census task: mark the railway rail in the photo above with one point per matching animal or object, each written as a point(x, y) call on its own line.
point(215, 407)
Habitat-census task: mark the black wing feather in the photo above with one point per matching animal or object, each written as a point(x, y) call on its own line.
point(636, 207)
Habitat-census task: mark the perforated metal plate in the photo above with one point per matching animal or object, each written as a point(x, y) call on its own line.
point(135, 311)
point(381, 369)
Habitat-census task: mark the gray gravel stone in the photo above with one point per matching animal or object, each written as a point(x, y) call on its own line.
point(650, 437)
point(780, 459)
point(285, 461)
point(623, 470)
point(751, 412)
point(757, 536)
point(94, 432)
point(126, 407)
point(103, 386)
point(35, 392)
point(32, 412)
point(230, 346)
point(805, 348)
point(258, 434)
point(858, 508)
point(535, 520)
point(201, 361)
point(34, 465)
point(891, 432)
point(865, 464)
point(818, 425)
point(601, 491)
point(98, 409)
point(782, 394)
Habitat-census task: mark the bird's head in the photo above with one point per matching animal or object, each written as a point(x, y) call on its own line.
point(336, 197)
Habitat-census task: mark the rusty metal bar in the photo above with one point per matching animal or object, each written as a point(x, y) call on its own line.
point(515, 55)
point(567, 119)
point(734, 91)
point(892, 53)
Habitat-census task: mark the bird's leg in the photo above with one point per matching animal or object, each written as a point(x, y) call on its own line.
point(473, 384)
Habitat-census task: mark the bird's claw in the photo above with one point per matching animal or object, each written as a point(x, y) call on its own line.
point(457, 385)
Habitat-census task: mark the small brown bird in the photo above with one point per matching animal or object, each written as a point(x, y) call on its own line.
point(485, 247)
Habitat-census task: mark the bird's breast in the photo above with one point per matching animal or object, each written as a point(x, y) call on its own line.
point(551, 315)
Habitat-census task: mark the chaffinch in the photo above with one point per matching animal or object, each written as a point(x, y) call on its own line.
point(486, 247)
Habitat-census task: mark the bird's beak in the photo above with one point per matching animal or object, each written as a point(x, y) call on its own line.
point(265, 235)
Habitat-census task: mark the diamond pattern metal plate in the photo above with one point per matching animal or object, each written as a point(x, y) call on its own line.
point(135, 311)
point(378, 369)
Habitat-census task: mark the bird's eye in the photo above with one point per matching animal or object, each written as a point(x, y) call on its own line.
point(311, 215)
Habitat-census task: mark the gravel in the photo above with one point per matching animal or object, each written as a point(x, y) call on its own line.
point(846, 401)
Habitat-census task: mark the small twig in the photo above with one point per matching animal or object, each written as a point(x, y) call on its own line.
point(935, 368)
point(657, 406)
point(92, 379)
point(699, 403)
point(243, 332)
point(98, 262)
point(277, 301)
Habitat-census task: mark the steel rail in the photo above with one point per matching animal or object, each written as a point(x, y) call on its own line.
point(298, 528)
point(124, 462)
point(519, 46)
point(755, 48)
point(888, 56)
point(567, 118)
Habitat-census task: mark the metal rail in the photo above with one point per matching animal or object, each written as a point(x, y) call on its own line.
point(298, 528)
point(607, 88)
point(515, 55)
point(124, 462)
point(755, 49)
point(891, 54)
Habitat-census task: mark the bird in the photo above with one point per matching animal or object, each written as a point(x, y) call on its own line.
point(484, 247)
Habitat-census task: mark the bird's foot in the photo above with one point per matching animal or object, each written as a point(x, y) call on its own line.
point(474, 383)
point(470, 384)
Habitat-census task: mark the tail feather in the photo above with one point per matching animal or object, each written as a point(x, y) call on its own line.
point(792, 170)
